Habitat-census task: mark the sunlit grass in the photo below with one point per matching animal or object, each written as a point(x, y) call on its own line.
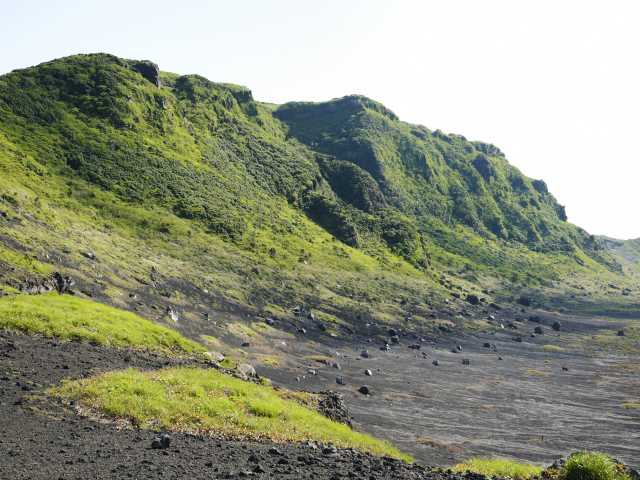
point(499, 467)
point(72, 318)
point(209, 402)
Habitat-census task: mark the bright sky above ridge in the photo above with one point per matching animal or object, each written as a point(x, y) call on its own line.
point(554, 84)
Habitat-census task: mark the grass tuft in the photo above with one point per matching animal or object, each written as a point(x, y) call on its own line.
point(499, 467)
point(592, 466)
point(206, 401)
point(72, 318)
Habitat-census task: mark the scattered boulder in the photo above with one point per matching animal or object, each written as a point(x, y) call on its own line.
point(364, 390)
point(392, 332)
point(466, 361)
point(486, 345)
point(473, 299)
point(435, 363)
point(302, 331)
point(415, 346)
point(524, 301)
point(395, 339)
point(245, 344)
point(162, 441)
point(90, 255)
point(63, 283)
point(538, 330)
point(340, 380)
point(557, 326)
point(365, 354)
point(216, 356)
point(246, 371)
point(621, 333)
point(173, 314)
point(270, 321)
point(332, 406)
point(518, 339)
point(368, 373)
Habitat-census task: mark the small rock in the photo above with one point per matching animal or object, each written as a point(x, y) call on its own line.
point(435, 363)
point(556, 326)
point(340, 381)
point(162, 441)
point(395, 339)
point(246, 344)
point(486, 345)
point(302, 331)
point(270, 321)
point(368, 373)
point(364, 354)
point(415, 346)
point(466, 361)
point(621, 333)
point(538, 330)
point(364, 390)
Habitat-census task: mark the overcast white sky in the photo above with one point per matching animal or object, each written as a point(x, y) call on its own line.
point(554, 84)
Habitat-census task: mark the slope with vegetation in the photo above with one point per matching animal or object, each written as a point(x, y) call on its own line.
point(194, 196)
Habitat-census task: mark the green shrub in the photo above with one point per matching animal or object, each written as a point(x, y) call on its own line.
point(592, 466)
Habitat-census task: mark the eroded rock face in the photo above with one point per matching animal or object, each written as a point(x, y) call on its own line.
point(148, 70)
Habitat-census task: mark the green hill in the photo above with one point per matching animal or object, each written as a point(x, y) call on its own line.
point(159, 191)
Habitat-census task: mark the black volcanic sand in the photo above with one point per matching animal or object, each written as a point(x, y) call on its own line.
point(42, 439)
point(524, 406)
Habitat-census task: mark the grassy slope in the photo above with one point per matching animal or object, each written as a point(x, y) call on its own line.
point(201, 183)
point(205, 401)
point(71, 318)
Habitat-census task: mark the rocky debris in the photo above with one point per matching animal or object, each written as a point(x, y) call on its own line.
point(395, 339)
point(368, 373)
point(148, 70)
point(415, 346)
point(365, 354)
point(364, 390)
point(538, 330)
point(386, 347)
point(435, 363)
point(302, 331)
point(340, 380)
point(557, 326)
point(392, 332)
point(518, 339)
point(333, 406)
point(534, 318)
point(162, 441)
point(245, 344)
point(621, 333)
point(270, 321)
point(486, 345)
point(466, 361)
point(246, 371)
